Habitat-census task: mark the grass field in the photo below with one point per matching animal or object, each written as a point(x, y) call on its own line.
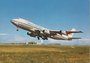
point(44, 54)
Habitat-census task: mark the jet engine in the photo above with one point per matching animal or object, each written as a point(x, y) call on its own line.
point(42, 34)
point(31, 34)
point(46, 31)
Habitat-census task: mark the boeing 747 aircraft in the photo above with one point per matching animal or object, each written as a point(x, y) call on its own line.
point(44, 33)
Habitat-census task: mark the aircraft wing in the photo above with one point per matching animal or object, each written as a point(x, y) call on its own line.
point(65, 32)
point(56, 31)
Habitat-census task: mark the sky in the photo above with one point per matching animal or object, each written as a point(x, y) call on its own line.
point(52, 14)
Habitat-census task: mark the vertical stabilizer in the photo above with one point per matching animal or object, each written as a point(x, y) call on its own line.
point(70, 35)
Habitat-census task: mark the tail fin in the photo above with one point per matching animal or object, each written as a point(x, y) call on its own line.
point(69, 34)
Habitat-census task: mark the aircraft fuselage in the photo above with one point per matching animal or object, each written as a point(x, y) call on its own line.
point(38, 31)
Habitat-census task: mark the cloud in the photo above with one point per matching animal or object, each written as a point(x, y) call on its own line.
point(19, 39)
point(85, 41)
point(3, 34)
point(16, 38)
point(12, 38)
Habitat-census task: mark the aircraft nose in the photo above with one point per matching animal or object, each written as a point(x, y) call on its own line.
point(13, 21)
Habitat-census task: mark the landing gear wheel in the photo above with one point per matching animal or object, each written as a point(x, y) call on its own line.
point(38, 38)
point(17, 30)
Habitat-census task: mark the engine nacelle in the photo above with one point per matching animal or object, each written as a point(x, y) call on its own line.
point(28, 33)
point(31, 34)
point(46, 31)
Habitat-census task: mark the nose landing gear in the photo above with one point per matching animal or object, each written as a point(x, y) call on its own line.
point(17, 30)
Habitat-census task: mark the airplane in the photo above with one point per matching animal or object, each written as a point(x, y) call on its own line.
point(44, 33)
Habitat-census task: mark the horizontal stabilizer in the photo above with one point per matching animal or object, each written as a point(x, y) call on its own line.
point(75, 38)
point(74, 32)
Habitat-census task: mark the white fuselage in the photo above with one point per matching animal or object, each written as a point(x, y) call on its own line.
point(29, 26)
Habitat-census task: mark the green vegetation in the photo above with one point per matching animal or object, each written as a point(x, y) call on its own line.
point(44, 54)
